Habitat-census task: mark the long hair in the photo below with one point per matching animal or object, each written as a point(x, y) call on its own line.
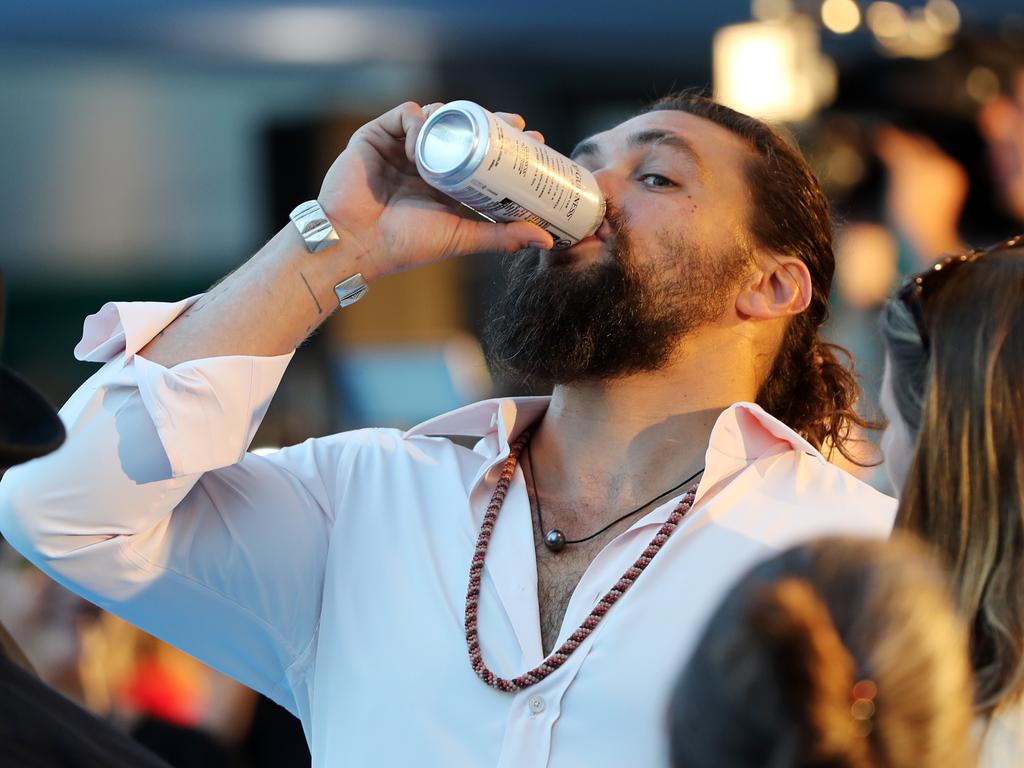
point(811, 386)
point(964, 491)
point(841, 653)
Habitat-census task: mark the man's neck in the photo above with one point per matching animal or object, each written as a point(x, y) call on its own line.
point(614, 444)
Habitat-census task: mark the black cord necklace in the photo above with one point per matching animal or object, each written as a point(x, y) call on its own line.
point(555, 540)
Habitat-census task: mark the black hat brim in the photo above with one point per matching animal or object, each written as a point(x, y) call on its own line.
point(29, 426)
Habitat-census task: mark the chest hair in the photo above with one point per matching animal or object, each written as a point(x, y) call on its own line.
point(558, 574)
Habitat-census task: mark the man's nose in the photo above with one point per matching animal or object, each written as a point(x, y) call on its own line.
point(612, 184)
point(609, 182)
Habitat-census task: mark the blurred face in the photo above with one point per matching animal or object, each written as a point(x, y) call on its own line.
point(897, 442)
point(664, 264)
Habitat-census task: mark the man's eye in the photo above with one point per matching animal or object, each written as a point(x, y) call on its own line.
point(656, 180)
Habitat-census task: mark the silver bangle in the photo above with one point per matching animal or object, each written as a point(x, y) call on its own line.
point(351, 289)
point(318, 233)
point(314, 227)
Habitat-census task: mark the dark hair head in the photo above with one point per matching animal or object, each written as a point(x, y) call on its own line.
point(782, 662)
point(964, 492)
point(808, 388)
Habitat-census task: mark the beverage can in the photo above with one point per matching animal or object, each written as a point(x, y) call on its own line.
point(501, 173)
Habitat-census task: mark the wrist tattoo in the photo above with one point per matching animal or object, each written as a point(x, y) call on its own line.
point(319, 309)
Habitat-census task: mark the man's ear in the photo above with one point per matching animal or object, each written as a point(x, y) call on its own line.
point(779, 287)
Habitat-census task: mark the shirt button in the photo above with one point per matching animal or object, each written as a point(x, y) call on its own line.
point(536, 704)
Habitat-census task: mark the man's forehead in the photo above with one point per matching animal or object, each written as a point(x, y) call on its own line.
point(708, 138)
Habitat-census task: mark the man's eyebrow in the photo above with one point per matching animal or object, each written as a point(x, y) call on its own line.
point(665, 139)
point(648, 138)
point(586, 147)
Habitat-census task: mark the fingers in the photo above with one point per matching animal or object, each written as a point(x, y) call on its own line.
point(414, 132)
point(399, 127)
point(397, 122)
point(517, 121)
point(481, 237)
point(403, 123)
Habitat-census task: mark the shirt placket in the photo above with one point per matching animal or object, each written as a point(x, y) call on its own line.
point(532, 716)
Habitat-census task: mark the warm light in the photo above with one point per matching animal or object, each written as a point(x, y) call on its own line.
point(771, 70)
point(919, 37)
point(771, 10)
point(840, 16)
point(886, 20)
point(982, 84)
point(942, 16)
point(866, 264)
point(925, 42)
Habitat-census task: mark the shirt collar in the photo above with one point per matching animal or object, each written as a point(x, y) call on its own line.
point(742, 433)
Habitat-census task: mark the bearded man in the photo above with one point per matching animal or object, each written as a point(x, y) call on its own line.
point(526, 602)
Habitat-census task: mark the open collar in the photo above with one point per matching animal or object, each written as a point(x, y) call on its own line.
point(742, 433)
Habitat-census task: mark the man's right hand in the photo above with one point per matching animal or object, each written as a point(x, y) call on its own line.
point(374, 194)
point(388, 220)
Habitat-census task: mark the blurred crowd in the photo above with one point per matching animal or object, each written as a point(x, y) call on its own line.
point(920, 159)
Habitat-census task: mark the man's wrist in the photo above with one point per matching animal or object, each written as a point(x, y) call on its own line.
point(334, 248)
point(319, 234)
point(316, 273)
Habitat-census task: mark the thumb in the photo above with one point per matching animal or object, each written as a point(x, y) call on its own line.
point(479, 236)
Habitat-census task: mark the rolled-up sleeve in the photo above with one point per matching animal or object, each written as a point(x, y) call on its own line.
point(153, 510)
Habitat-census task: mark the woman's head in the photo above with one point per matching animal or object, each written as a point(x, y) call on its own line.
point(844, 653)
point(956, 386)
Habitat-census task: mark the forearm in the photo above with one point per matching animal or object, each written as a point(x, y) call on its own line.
point(266, 307)
point(198, 559)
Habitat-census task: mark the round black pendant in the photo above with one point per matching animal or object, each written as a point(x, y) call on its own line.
point(554, 540)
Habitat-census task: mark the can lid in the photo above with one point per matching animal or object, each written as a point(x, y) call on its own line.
point(448, 142)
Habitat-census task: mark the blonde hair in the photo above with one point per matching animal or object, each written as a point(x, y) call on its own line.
point(775, 678)
point(964, 492)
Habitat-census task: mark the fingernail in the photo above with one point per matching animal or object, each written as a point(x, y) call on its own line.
point(539, 244)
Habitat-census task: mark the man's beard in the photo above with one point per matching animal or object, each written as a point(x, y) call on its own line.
point(560, 324)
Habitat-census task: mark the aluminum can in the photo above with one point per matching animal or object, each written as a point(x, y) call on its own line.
point(504, 175)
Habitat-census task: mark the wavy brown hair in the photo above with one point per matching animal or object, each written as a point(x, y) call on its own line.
point(964, 397)
point(812, 386)
point(775, 676)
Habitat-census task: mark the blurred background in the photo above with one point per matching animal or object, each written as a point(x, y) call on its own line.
point(148, 147)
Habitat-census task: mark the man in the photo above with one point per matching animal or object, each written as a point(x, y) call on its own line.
point(40, 728)
point(334, 575)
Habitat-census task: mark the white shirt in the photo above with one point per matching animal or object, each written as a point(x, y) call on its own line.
point(1002, 742)
point(332, 575)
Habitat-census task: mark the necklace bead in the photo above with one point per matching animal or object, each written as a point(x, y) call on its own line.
point(554, 540)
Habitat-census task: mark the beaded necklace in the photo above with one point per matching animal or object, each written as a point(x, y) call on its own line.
point(559, 656)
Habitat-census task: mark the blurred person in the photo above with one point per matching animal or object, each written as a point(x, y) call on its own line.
point(413, 601)
point(841, 652)
point(954, 339)
point(1001, 121)
point(45, 618)
point(39, 727)
point(171, 703)
point(925, 192)
point(949, 134)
